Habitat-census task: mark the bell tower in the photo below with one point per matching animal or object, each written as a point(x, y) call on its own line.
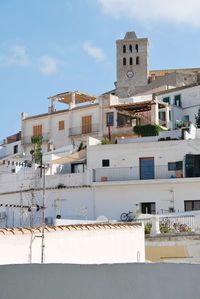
point(132, 64)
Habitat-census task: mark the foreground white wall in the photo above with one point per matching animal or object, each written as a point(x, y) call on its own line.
point(83, 244)
point(152, 281)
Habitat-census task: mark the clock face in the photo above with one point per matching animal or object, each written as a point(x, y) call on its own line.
point(129, 74)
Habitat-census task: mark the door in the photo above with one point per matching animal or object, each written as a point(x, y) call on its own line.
point(86, 124)
point(192, 166)
point(147, 168)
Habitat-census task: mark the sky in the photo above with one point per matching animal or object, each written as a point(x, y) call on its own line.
point(52, 46)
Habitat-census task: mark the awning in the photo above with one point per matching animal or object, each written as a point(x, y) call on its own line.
point(75, 157)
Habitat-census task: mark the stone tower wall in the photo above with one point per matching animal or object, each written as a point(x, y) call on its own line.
point(130, 76)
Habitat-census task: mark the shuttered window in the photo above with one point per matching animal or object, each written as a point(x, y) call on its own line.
point(61, 125)
point(37, 130)
point(86, 124)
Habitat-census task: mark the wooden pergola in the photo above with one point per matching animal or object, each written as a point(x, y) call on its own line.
point(137, 107)
point(70, 96)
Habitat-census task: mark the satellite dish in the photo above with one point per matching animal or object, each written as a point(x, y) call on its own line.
point(102, 218)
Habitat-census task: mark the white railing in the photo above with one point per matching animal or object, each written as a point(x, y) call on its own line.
point(95, 128)
point(186, 222)
point(134, 173)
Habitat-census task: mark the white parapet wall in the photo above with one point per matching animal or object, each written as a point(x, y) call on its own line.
point(95, 243)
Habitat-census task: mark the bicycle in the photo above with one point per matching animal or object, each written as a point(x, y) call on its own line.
point(127, 216)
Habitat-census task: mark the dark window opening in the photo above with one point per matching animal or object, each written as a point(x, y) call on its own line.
point(110, 118)
point(105, 163)
point(124, 61)
point(166, 99)
point(136, 47)
point(137, 60)
point(77, 168)
point(170, 115)
point(124, 49)
point(131, 61)
point(15, 149)
point(178, 165)
point(186, 119)
point(177, 100)
point(192, 205)
point(192, 166)
point(162, 115)
point(130, 48)
point(148, 207)
point(124, 120)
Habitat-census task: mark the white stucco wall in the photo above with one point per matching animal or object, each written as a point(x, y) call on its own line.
point(127, 155)
point(8, 149)
point(79, 246)
point(189, 99)
point(50, 130)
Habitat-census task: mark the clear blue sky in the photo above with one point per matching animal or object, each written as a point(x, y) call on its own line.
point(52, 46)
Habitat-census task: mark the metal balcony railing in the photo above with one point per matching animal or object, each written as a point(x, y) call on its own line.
point(94, 128)
point(135, 173)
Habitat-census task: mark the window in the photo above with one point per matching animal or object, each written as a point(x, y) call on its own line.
point(136, 47)
point(177, 100)
point(178, 165)
point(166, 99)
point(105, 163)
point(77, 168)
point(161, 115)
point(147, 168)
point(148, 207)
point(110, 119)
point(131, 61)
point(61, 125)
point(37, 130)
point(15, 149)
point(186, 119)
point(130, 48)
point(124, 120)
point(137, 60)
point(170, 115)
point(124, 61)
point(86, 124)
point(124, 49)
point(192, 205)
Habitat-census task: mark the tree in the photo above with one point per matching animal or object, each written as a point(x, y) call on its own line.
point(37, 151)
point(197, 118)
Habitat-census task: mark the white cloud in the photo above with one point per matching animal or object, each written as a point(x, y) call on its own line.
point(177, 11)
point(17, 56)
point(49, 65)
point(97, 53)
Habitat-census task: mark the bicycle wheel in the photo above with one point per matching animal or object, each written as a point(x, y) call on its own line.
point(123, 217)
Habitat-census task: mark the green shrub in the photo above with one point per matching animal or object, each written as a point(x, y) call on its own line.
point(147, 228)
point(105, 140)
point(147, 130)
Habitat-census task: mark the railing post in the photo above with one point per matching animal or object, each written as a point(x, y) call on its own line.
point(197, 223)
point(155, 229)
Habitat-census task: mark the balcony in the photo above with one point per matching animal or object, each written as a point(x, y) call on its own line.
point(135, 173)
point(27, 139)
point(90, 129)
